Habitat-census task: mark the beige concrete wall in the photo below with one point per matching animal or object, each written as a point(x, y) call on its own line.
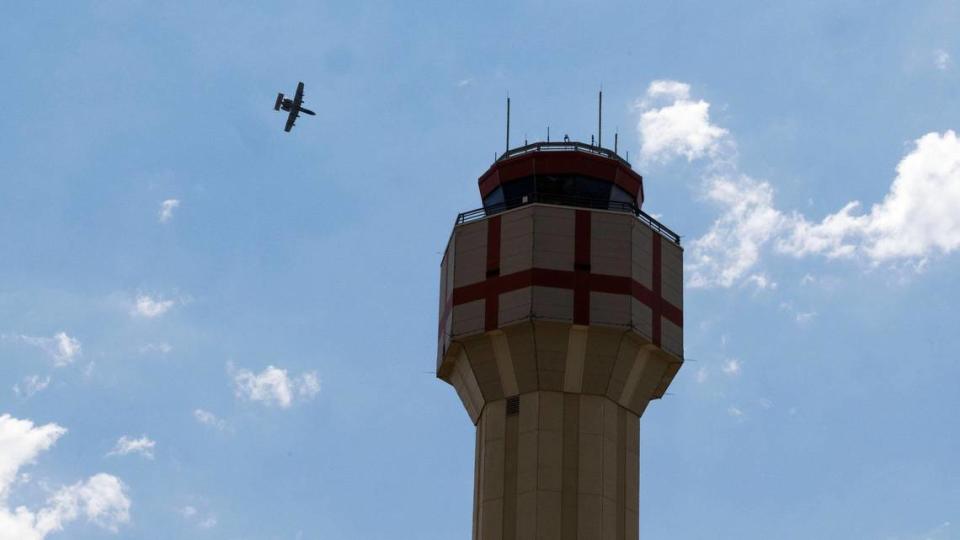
point(470, 253)
point(563, 467)
point(611, 239)
point(547, 355)
point(553, 229)
point(516, 241)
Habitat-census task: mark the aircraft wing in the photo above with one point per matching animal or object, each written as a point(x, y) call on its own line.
point(295, 109)
point(298, 99)
point(291, 118)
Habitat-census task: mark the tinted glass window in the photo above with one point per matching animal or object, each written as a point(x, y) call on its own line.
point(558, 189)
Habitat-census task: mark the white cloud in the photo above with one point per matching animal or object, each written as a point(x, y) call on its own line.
point(919, 217)
point(309, 385)
point(209, 419)
point(150, 306)
point(941, 59)
point(801, 317)
point(735, 411)
point(679, 128)
point(61, 347)
point(761, 281)
point(668, 89)
point(732, 246)
point(101, 499)
point(166, 209)
point(273, 386)
point(20, 443)
point(129, 445)
point(701, 375)
point(190, 513)
point(731, 367)
point(30, 385)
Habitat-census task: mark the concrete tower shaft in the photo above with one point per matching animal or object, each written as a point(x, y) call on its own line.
point(560, 319)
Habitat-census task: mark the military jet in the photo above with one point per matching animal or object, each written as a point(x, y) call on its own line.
point(294, 106)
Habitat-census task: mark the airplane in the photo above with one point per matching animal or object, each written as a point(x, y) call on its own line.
point(293, 105)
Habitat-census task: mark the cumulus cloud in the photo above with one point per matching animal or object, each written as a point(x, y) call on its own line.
point(732, 246)
point(731, 367)
point(209, 419)
point(679, 128)
point(941, 59)
point(309, 385)
point(101, 499)
point(62, 348)
point(151, 306)
point(30, 385)
point(191, 514)
point(273, 386)
point(919, 216)
point(129, 445)
point(166, 209)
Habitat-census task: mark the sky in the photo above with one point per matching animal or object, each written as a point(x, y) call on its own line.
point(210, 328)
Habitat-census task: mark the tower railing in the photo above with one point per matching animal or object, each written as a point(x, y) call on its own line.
point(562, 200)
point(566, 146)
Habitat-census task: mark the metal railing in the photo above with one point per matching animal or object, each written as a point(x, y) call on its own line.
point(569, 146)
point(579, 202)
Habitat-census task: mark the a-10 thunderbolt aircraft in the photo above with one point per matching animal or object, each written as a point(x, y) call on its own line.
point(294, 106)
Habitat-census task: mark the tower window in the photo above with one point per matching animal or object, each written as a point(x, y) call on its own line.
point(513, 405)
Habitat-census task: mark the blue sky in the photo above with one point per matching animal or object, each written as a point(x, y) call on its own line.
point(253, 360)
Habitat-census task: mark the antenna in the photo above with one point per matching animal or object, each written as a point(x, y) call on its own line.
point(628, 156)
point(600, 118)
point(548, 133)
point(508, 123)
point(616, 139)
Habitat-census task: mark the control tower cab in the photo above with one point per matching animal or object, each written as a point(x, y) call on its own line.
point(571, 174)
point(561, 318)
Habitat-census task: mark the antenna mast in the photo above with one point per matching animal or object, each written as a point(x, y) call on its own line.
point(600, 119)
point(508, 124)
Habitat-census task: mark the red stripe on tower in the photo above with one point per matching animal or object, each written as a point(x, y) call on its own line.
point(491, 314)
point(581, 267)
point(657, 300)
point(581, 281)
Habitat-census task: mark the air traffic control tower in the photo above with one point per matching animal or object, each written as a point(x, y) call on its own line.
point(561, 317)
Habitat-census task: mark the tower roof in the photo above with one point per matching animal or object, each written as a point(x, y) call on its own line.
point(561, 160)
